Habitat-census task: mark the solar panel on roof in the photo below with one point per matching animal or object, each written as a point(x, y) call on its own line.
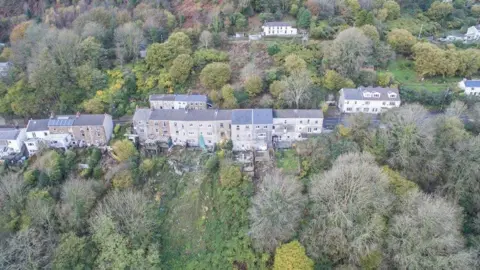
point(60, 122)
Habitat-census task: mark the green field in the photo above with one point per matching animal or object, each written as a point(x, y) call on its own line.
point(287, 161)
point(404, 72)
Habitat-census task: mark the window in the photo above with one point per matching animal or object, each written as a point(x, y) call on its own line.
point(98, 134)
point(285, 121)
point(209, 133)
point(349, 109)
point(176, 132)
point(34, 135)
point(355, 102)
point(358, 109)
point(209, 141)
point(200, 125)
point(301, 122)
point(392, 103)
point(299, 128)
point(257, 127)
point(30, 144)
point(238, 136)
point(238, 127)
point(165, 132)
point(367, 94)
point(367, 102)
point(156, 130)
point(247, 127)
point(164, 124)
point(221, 125)
point(376, 95)
point(347, 102)
point(365, 109)
point(265, 126)
point(316, 121)
point(175, 124)
point(191, 125)
point(262, 135)
point(45, 133)
point(273, 127)
point(209, 126)
point(383, 103)
point(315, 129)
point(191, 133)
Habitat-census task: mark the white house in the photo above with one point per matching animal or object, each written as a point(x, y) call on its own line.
point(4, 68)
point(473, 33)
point(278, 29)
point(471, 87)
point(368, 99)
point(11, 141)
point(38, 133)
point(168, 101)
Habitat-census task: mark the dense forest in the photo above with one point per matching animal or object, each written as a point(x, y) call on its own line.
point(399, 194)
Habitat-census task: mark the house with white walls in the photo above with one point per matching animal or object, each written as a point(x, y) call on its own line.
point(471, 87)
point(11, 141)
point(473, 33)
point(368, 99)
point(278, 29)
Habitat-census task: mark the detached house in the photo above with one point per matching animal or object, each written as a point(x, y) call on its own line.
point(163, 101)
point(278, 29)
point(473, 33)
point(471, 87)
point(69, 130)
point(368, 100)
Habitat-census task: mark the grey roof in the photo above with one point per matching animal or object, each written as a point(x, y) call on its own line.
point(252, 116)
point(357, 93)
point(277, 24)
point(9, 133)
point(297, 114)
point(89, 120)
point(262, 116)
point(183, 115)
point(242, 117)
point(142, 114)
point(37, 125)
point(185, 98)
point(81, 120)
point(472, 83)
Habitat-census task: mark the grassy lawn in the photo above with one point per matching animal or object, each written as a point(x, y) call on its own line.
point(404, 72)
point(287, 161)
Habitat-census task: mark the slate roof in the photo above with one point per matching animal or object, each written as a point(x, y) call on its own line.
point(277, 24)
point(9, 133)
point(297, 114)
point(181, 115)
point(72, 120)
point(183, 98)
point(472, 83)
point(357, 93)
point(241, 117)
point(262, 116)
point(37, 125)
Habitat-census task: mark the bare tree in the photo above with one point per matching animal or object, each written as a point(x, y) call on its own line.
point(78, 197)
point(348, 205)
point(127, 41)
point(27, 249)
point(298, 88)
point(427, 235)
point(348, 52)
point(456, 109)
point(276, 211)
point(206, 38)
point(408, 139)
point(130, 210)
point(93, 29)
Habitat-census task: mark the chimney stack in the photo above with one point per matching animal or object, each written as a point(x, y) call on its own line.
point(52, 115)
point(78, 114)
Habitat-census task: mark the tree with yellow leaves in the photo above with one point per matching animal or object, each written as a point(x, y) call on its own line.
point(292, 256)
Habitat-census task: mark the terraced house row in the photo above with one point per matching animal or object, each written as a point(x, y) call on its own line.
point(249, 129)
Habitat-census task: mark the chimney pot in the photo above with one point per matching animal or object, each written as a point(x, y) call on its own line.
point(52, 115)
point(78, 114)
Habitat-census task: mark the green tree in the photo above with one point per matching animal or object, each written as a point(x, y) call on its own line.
point(439, 11)
point(371, 32)
point(127, 42)
point(230, 176)
point(303, 18)
point(73, 252)
point(162, 54)
point(123, 150)
point(229, 99)
point(253, 85)
point(293, 63)
point(384, 79)
point(333, 81)
point(292, 256)
point(277, 88)
point(393, 9)
point(429, 59)
point(401, 40)
point(181, 67)
point(215, 75)
point(475, 10)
